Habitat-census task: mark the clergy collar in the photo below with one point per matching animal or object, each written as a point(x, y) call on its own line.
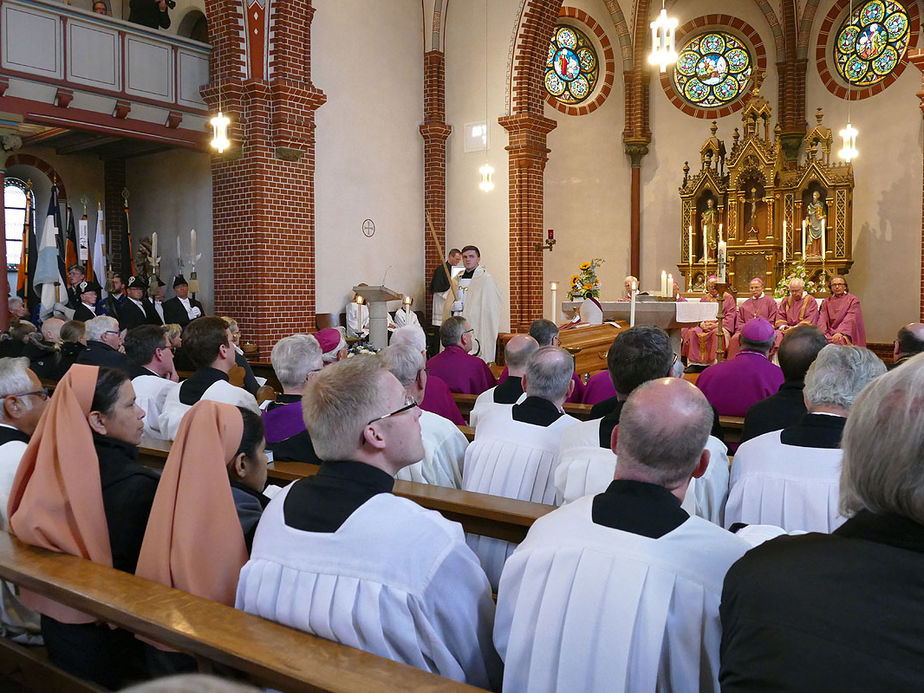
point(358, 472)
point(892, 530)
point(283, 398)
point(536, 411)
point(193, 388)
point(815, 431)
point(468, 274)
point(639, 508)
point(10, 433)
point(609, 422)
point(753, 352)
point(509, 391)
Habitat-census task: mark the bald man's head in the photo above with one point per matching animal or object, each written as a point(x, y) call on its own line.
point(517, 353)
point(662, 432)
point(51, 330)
point(910, 340)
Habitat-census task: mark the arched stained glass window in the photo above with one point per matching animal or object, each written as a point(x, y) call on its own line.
point(712, 69)
point(14, 206)
point(571, 67)
point(871, 42)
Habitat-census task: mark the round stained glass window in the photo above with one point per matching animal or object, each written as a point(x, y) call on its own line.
point(571, 67)
point(712, 69)
point(871, 42)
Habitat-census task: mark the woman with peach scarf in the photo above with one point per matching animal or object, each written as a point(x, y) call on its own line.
point(80, 490)
point(206, 510)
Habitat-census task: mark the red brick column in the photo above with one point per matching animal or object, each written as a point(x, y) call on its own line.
point(527, 155)
point(113, 184)
point(263, 187)
point(434, 131)
point(917, 57)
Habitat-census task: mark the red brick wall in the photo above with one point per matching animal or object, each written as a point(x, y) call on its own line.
point(434, 131)
point(263, 187)
point(113, 184)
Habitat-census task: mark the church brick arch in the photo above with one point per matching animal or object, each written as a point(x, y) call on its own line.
point(40, 165)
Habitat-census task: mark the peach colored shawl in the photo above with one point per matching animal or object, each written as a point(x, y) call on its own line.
point(57, 499)
point(194, 540)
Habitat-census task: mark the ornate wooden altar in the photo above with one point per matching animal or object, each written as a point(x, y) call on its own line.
point(745, 196)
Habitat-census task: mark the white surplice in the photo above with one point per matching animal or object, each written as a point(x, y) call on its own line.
point(512, 459)
point(150, 394)
point(444, 452)
point(584, 467)
point(395, 580)
point(484, 403)
point(793, 487)
point(174, 410)
point(583, 607)
point(482, 309)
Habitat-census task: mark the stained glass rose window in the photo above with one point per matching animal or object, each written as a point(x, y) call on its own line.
point(871, 41)
point(571, 67)
point(712, 69)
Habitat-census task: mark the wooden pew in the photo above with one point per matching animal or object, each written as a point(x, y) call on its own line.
point(479, 513)
point(272, 654)
point(466, 402)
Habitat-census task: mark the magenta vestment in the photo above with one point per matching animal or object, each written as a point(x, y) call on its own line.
point(763, 307)
point(599, 387)
point(733, 386)
point(701, 346)
point(842, 314)
point(438, 400)
point(462, 372)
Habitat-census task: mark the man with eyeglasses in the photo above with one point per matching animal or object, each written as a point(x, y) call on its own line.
point(149, 350)
point(586, 459)
point(455, 365)
point(363, 567)
point(295, 360)
point(104, 346)
point(840, 316)
point(23, 401)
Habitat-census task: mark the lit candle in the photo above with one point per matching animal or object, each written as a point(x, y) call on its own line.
point(632, 306)
point(823, 241)
point(803, 240)
point(154, 247)
point(179, 251)
point(663, 283)
point(670, 285)
point(784, 240)
point(554, 287)
point(192, 244)
point(721, 260)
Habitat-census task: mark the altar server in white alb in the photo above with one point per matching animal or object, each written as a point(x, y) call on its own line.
point(480, 304)
point(149, 349)
point(504, 395)
point(586, 458)
point(208, 343)
point(791, 478)
point(444, 444)
point(516, 448)
point(339, 556)
point(620, 591)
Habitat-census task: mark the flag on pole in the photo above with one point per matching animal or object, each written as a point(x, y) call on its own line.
point(128, 252)
point(25, 281)
point(97, 267)
point(70, 241)
point(83, 240)
point(48, 268)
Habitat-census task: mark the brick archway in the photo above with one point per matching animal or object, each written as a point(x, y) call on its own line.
point(40, 165)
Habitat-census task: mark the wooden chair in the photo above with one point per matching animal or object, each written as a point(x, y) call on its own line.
point(266, 393)
point(324, 320)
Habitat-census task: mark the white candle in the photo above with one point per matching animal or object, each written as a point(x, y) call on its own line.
point(784, 240)
point(192, 244)
point(670, 285)
point(803, 240)
point(663, 283)
point(722, 249)
point(554, 287)
point(720, 232)
point(823, 234)
point(154, 247)
point(179, 251)
point(632, 306)
point(690, 243)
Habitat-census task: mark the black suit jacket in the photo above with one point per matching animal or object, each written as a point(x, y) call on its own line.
point(776, 412)
point(174, 312)
point(146, 13)
point(100, 354)
point(131, 315)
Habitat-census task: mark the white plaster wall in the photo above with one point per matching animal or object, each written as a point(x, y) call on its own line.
point(368, 59)
point(171, 193)
point(887, 193)
point(587, 182)
point(475, 217)
point(677, 137)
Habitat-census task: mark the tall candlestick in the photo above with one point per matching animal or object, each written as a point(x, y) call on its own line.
point(784, 241)
point(690, 257)
point(632, 306)
point(670, 285)
point(192, 244)
point(663, 282)
point(154, 247)
point(823, 239)
point(803, 240)
point(722, 260)
point(179, 251)
point(554, 287)
point(720, 232)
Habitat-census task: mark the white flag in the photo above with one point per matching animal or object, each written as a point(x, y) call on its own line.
point(99, 264)
point(46, 268)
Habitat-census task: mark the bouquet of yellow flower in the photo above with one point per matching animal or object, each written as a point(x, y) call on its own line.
point(585, 282)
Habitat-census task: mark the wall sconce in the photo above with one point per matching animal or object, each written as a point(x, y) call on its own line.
point(220, 125)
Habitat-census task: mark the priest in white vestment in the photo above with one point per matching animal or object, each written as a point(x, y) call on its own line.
point(150, 350)
point(791, 478)
point(208, 343)
point(516, 354)
point(515, 450)
point(22, 401)
point(444, 444)
point(339, 556)
point(481, 303)
point(587, 461)
point(620, 591)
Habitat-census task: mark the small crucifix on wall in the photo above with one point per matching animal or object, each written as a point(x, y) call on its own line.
point(752, 222)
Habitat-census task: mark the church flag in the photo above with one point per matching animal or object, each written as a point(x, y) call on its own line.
point(48, 273)
point(96, 269)
point(83, 240)
point(127, 250)
point(70, 240)
point(25, 281)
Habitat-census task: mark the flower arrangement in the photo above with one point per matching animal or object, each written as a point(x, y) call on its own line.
point(585, 282)
point(361, 348)
point(796, 272)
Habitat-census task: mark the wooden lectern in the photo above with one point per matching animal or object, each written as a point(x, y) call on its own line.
point(377, 297)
